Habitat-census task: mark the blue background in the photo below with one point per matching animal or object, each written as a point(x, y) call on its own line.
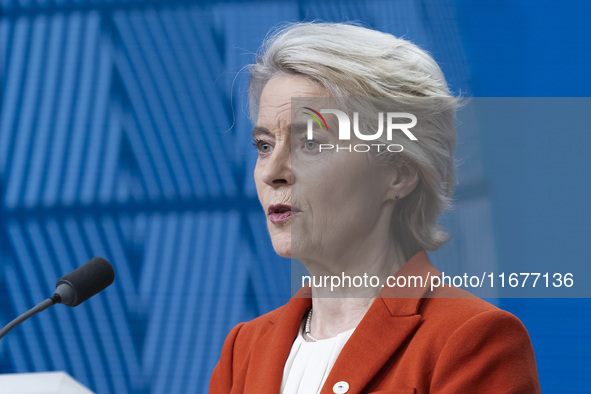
point(123, 133)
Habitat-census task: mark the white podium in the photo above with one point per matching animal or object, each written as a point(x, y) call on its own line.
point(41, 383)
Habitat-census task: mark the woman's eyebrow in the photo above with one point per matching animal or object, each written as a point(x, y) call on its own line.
point(260, 130)
point(294, 128)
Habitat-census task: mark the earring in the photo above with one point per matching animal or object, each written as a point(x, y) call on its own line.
point(396, 197)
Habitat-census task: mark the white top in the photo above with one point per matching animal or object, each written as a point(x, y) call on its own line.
point(309, 363)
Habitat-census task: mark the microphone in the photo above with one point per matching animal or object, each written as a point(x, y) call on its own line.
point(72, 289)
point(84, 282)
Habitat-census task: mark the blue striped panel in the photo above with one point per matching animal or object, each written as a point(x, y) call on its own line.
point(193, 134)
point(113, 241)
point(160, 285)
point(4, 39)
point(110, 159)
point(218, 295)
point(157, 96)
point(180, 266)
point(11, 93)
point(47, 105)
point(66, 103)
point(146, 166)
point(333, 11)
point(193, 270)
point(87, 87)
point(94, 166)
point(119, 317)
point(27, 116)
point(185, 76)
point(403, 19)
point(140, 88)
point(212, 107)
point(192, 140)
point(173, 87)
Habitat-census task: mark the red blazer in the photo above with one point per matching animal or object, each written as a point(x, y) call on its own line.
point(451, 342)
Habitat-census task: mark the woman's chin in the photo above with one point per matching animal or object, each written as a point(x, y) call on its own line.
point(283, 252)
point(282, 246)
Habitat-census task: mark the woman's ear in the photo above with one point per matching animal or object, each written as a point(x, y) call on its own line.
point(403, 181)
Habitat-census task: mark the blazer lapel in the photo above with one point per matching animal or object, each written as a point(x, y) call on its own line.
point(369, 349)
point(273, 345)
point(392, 318)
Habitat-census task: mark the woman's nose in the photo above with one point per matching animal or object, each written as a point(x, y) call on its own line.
point(278, 168)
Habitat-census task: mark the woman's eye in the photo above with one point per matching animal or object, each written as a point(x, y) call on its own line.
point(262, 146)
point(311, 145)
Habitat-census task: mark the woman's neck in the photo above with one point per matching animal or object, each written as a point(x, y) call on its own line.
point(332, 316)
point(341, 309)
point(345, 282)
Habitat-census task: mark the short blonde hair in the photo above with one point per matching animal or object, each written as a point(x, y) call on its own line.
point(352, 61)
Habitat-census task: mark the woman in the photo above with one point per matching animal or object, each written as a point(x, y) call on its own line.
point(355, 211)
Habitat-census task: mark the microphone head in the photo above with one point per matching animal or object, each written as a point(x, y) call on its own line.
point(84, 282)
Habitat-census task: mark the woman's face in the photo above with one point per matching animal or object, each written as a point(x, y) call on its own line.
point(319, 204)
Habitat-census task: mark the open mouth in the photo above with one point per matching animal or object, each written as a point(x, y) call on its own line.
point(279, 213)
